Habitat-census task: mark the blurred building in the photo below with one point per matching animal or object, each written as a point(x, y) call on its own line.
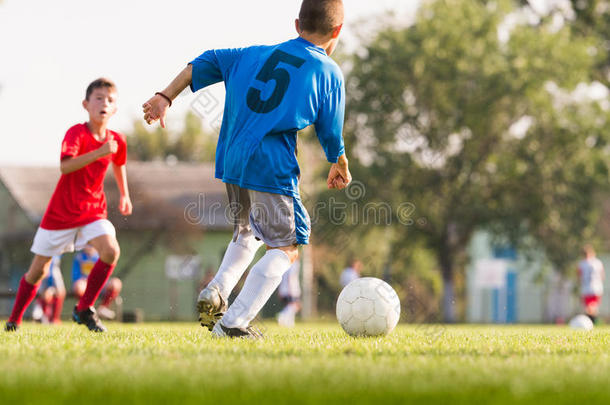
point(178, 229)
point(506, 287)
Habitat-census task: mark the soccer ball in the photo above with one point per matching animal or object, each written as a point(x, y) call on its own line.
point(368, 307)
point(581, 322)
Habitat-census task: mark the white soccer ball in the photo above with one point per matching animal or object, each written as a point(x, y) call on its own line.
point(368, 307)
point(581, 322)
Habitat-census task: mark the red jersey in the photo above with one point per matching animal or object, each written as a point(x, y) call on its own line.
point(79, 197)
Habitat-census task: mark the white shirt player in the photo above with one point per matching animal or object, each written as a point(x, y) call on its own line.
point(591, 276)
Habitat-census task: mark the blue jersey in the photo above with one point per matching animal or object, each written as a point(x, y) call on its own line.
point(271, 93)
point(82, 265)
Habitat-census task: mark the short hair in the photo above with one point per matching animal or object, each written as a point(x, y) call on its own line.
point(102, 82)
point(321, 16)
point(588, 250)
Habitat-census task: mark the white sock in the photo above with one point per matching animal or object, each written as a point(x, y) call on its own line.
point(236, 260)
point(262, 281)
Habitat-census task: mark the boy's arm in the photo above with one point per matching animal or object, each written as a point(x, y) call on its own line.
point(156, 107)
point(208, 68)
point(339, 175)
point(72, 164)
point(120, 174)
point(329, 129)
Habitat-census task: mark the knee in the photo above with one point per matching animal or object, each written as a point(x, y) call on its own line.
point(60, 293)
point(79, 287)
point(110, 254)
point(47, 295)
point(115, 284)
point(292, 252)
point(249, 241)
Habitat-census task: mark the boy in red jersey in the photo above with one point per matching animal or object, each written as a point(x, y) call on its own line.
point(76, 214)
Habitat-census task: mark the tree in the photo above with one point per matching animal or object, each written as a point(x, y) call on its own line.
point(192, 144)
point(433, 116)
point(587, 18)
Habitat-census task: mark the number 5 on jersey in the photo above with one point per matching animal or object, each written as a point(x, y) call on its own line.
point(271, 71)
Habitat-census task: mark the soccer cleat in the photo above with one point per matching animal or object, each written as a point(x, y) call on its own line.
point(221, 331)
point(11, 327)
point(89, 318)
point(211, 307)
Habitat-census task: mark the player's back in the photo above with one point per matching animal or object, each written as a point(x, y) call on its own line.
point(283, 85)
point(271, 93)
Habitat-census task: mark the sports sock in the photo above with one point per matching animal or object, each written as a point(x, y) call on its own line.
point(57, 305)
point(47, 309)
point(109, 296)
point(262, 281)
point(25, 295)
point(44, 307)
point(95, 282)
point(237, 258)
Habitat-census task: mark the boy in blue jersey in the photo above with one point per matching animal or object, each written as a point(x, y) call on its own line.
point(271, 93)
point(52, 293)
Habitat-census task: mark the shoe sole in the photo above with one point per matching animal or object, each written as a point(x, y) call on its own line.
point(207, 316)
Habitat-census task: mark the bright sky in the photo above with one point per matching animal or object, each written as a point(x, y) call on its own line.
point(51, 50)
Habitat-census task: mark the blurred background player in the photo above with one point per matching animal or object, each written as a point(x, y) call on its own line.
point(290, 294)
point(76, 214)
point(591, 274)
point(52, 294)
point(82, 264)
point(350, 273)
point(272, 92)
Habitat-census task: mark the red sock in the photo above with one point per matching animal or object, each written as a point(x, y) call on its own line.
point(43, 305)
point(25, 295)
point(58, 303)
point(95, 282)
point(109, 296)
point(46, 309)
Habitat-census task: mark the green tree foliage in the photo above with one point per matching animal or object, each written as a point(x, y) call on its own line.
point(432, 112)
point(191, 144)
point(588, 18)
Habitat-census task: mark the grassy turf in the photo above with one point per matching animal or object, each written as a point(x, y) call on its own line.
point(181, 363)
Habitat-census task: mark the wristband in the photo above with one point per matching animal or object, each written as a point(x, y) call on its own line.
point(169, 100)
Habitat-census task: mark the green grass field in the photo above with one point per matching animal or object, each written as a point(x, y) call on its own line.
point(181, 363)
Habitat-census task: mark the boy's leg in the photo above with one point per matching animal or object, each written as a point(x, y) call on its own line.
point(237, 258)
point(282, 223)
point(28, 287)
point(113, 290)
point(212, 301)
point(79, 287)
point(58, 302)
point(48, 297)
point(262, 281)
point(108, 249)
point(242, 248)
point(110, 293)
point(57, 306)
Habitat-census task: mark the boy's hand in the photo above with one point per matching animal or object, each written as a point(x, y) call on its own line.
point(125, 206)
point(109, 148)
point(339, 176)
point(155, 109)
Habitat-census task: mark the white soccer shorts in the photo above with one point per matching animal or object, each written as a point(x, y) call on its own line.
point(51, 243)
